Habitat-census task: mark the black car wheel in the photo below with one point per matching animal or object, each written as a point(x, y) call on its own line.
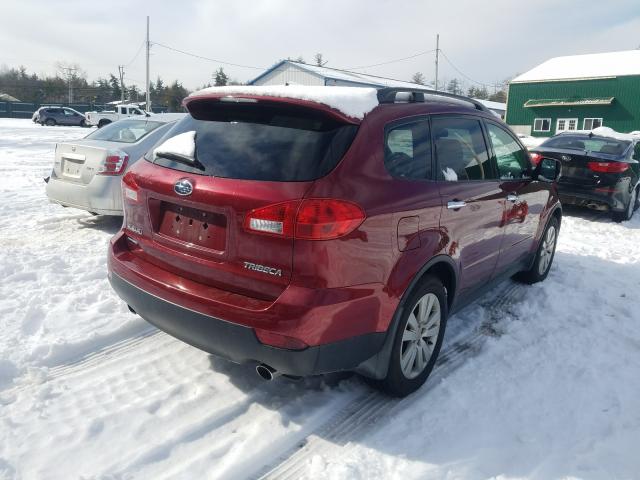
point(418, 339)
point(50, 122)
point(631, 207)
point(83, 123)
point(102, 123)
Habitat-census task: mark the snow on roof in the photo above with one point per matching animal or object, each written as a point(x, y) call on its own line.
point(607, 132)
point(596, 65)
point(354, 102)
point(492, 105)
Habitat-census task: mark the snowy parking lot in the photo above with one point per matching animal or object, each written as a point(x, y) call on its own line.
point(535, 381)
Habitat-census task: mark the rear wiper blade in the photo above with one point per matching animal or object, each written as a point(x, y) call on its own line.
point(176, 157)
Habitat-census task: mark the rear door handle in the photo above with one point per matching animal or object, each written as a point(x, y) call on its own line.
point(455, 204)
point(512, 197)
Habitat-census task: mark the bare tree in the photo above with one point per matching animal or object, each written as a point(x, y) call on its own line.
point(418, 78)
point(320, 62)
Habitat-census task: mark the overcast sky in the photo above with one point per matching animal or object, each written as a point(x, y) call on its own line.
point(487, 41)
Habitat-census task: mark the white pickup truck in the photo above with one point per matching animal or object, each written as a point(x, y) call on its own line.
point(122, 111)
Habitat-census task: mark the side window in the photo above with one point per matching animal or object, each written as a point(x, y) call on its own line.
point(407, 151)
point(636, 151)
point(512, 160)
point(460, 149)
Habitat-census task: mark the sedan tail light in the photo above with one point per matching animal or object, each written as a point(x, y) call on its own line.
point(114, 164)
point(309, 219)
point(608, 167)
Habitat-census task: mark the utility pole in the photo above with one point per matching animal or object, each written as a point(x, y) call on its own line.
point(437, 58)
point(121, 72)
point(69, 73)
point(148, 101)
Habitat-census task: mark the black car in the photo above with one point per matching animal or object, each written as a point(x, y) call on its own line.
point(61, 116)
point(598, 172)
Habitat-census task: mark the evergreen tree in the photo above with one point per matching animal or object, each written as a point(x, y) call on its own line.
point(418, 78)
point(454, 87)
point(221, 78)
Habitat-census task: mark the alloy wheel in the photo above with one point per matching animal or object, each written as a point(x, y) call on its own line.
point(420, 335)
point(546, 250)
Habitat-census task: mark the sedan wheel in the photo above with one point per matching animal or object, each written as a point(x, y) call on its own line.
point(420, 336)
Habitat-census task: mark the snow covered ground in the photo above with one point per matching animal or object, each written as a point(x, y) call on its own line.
point(534, 382)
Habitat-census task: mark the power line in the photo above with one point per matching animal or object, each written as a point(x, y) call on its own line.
point(207, 58)
point(137, 53)
point(463, 74)
point(390, 61)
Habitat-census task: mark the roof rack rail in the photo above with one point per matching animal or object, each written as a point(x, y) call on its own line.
point(388, 95)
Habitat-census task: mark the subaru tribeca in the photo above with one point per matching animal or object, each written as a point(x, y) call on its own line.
point(318, 229)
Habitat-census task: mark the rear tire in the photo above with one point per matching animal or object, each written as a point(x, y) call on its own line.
point(418, 339)
point(50, 122)
point(83, 123)
point(629, 209)
point(102, 123)
point(544, 255)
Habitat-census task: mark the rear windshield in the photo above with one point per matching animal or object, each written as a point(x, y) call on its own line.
point(590, 144)
point(260, 142)
point(129, 131)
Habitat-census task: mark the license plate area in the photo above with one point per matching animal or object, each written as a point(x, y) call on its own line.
point(191, 226)
point(72, 168)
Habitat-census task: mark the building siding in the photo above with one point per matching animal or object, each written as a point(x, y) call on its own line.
point(623, 115)
point(291, 74)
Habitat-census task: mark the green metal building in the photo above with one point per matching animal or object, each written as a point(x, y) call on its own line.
point(578, 92)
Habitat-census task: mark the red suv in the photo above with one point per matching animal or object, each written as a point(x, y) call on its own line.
point(321, 229)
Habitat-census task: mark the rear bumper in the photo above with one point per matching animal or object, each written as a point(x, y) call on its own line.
point(101, 195)
point(341, 325)
point(239, 343)
point(585, 197)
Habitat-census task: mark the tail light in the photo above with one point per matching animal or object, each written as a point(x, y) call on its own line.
point(608, 167)
point(114, 164)
point(536, 158)
point(129, 189)
point(309, 219)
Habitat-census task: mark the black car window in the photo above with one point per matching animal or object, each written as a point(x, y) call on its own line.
point(511, 159)
point(636, 151)
point(259, 142)
point(407, 150)
point(606, 145)
point(460, 149)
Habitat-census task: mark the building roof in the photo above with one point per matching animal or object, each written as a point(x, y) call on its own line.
point(5, 97)
point(581, 67)
point(342, 75)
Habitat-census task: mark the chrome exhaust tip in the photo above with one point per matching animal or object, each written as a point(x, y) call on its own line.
point(266, 372)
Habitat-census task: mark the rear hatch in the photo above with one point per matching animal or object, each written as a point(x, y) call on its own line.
point(186, 205)
point(585, 160)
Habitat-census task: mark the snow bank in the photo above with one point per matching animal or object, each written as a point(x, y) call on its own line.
point(354, 102)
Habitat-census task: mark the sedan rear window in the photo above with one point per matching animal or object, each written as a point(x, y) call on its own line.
point(129, 131)
point(259, 142)
point(590, 144)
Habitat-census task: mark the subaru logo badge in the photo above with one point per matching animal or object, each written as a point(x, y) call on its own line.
point(183, 187)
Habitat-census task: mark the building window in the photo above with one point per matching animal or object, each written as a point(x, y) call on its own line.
point(566, 124)
point(542, 125)
point(591, 123)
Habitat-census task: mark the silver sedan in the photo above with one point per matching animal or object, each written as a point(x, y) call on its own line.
point(87, 173)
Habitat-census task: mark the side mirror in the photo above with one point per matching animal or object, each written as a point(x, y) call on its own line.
point(548, 170)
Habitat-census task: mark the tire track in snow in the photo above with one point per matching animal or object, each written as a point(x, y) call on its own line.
point(360, 416)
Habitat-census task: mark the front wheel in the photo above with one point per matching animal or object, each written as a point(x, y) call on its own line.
point(418, 339)
point(544, 256)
